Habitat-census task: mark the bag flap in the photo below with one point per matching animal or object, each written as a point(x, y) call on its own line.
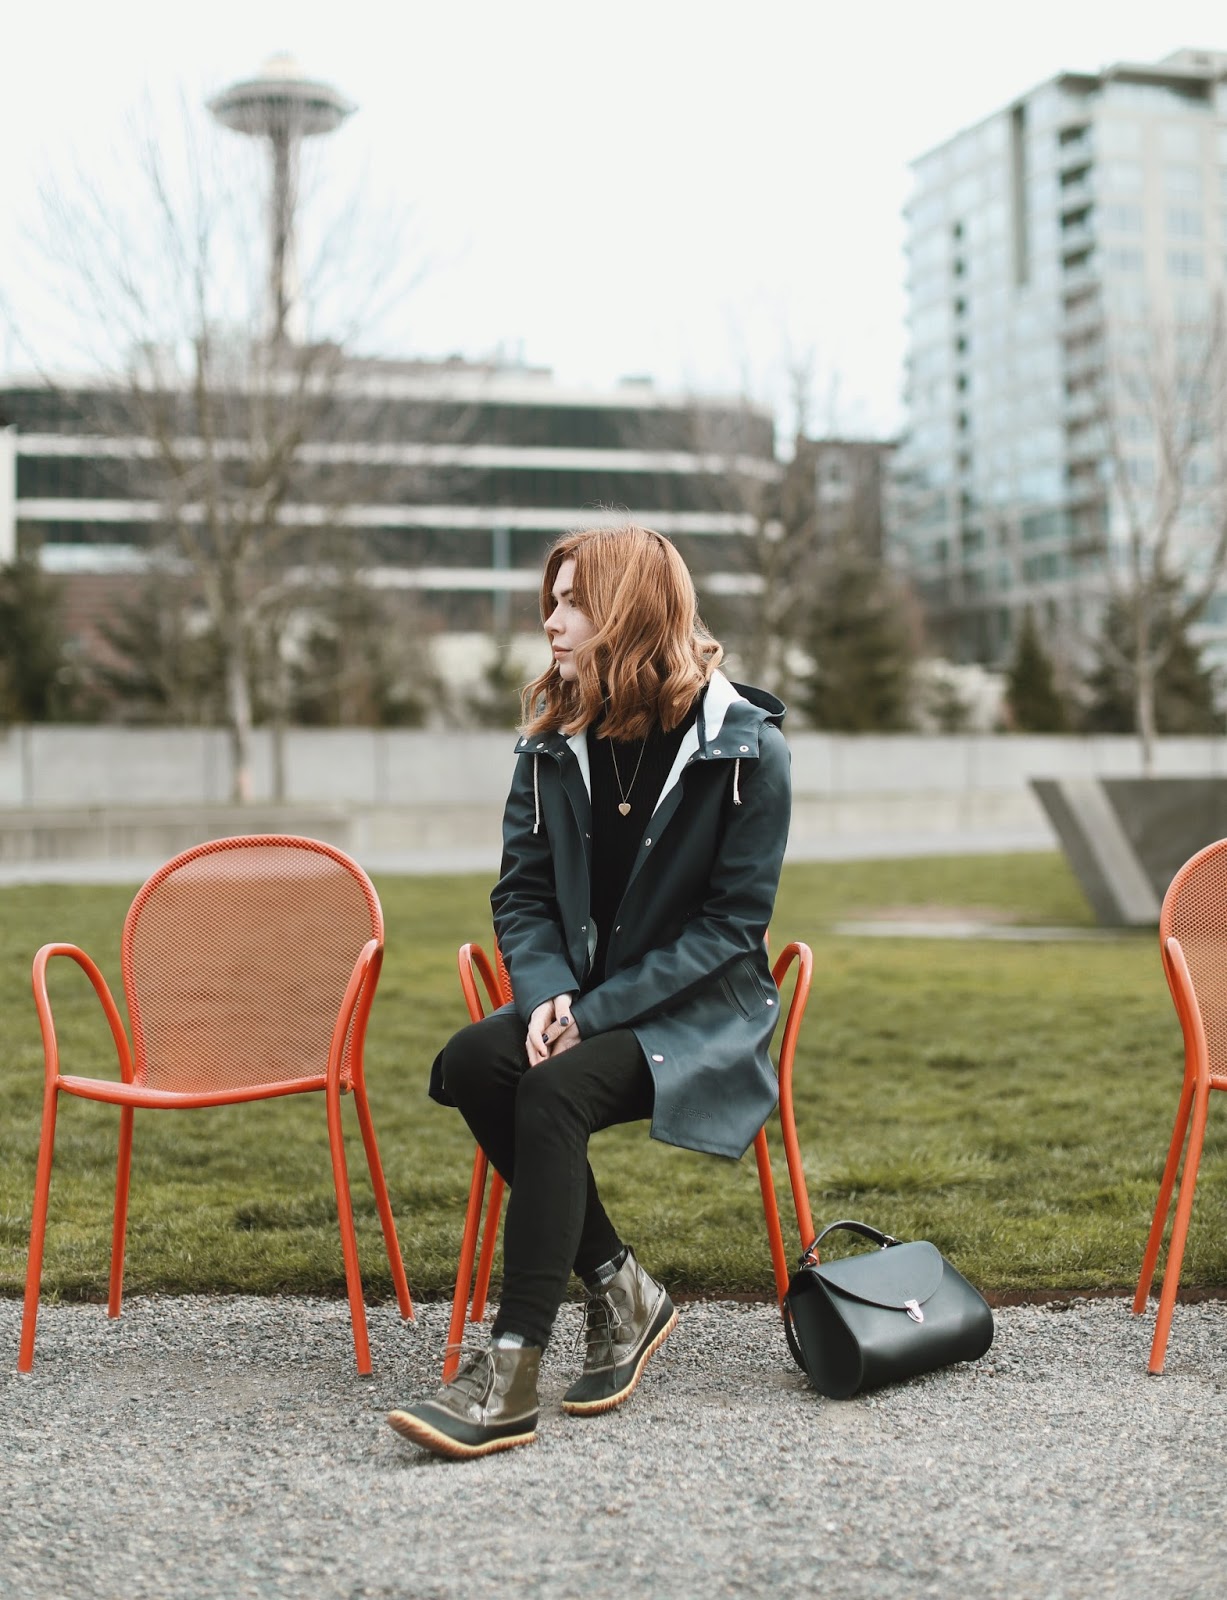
point(889, 1278)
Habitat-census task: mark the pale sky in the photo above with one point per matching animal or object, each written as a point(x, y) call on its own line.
point(698, 190)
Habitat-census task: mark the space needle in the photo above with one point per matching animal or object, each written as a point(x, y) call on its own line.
point(284, 107)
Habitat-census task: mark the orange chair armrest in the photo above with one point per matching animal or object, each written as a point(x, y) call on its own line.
point(140, 1094)
point(355, 1009)
point(1184, 997)
point(46, 1023)
point(473, 962)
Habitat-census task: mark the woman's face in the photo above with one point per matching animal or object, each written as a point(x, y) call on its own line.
point(566, 626)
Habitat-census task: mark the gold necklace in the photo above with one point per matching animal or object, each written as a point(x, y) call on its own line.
point(624, 805)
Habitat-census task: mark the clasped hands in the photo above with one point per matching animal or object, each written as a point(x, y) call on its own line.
point(551, 1030)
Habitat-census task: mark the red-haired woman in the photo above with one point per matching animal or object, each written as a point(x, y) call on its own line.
point(642, 844)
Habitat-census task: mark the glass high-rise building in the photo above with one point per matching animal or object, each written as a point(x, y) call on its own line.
point(1060, 252)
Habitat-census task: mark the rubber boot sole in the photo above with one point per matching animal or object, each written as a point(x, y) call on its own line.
point(593, 1408)
point(442, 1444)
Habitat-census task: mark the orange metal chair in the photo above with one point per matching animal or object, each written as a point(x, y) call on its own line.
point(474, 963)
point(249, 967)
point(1193, 944)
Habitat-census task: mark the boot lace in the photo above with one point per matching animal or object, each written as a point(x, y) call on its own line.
point(601, 1319)
point(475, 1378)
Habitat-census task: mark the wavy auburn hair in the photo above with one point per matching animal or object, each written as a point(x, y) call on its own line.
point(650, 654)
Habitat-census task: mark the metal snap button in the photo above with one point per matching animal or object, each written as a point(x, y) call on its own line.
point(658, 1058)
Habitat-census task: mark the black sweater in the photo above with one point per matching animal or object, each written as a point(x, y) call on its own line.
point(642, 765)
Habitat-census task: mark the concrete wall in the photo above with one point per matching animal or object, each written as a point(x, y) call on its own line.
point(395, 795)
point(101, 766)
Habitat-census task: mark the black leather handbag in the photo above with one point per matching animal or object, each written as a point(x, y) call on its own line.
point(881, 1316)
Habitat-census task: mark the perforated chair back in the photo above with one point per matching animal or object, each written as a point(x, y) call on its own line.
point(236, 958)
point(1195, 914)
point(250, 965)
point(1193, 945)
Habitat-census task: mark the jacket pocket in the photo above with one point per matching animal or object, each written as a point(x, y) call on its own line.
point(744, 989)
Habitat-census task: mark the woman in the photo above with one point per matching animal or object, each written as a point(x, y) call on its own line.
point(642, 844)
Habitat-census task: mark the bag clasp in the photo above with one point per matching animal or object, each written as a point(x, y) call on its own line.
point(912, 1307)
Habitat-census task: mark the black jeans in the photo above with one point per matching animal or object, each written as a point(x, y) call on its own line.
point(534, 1124)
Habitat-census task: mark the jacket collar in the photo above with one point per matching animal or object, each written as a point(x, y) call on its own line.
point(717, 700)
point(720, 704)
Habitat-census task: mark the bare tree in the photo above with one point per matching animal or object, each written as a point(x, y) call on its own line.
point(754, 493)
point(243, 437)
point(1163, 412)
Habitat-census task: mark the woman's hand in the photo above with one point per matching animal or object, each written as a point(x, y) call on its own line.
point(548, 1026)
point(563, 1038)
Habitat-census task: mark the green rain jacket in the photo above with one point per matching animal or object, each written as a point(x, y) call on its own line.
point(686, 968)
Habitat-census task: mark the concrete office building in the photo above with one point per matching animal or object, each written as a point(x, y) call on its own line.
point(447, 480)
point(1045, 243)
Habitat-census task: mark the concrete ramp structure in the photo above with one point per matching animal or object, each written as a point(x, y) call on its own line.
point(1126, 838)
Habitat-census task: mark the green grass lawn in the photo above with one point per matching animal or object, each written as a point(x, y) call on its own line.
point(1010, 1101)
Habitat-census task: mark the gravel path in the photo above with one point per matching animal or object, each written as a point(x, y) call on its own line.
point(225, 1447)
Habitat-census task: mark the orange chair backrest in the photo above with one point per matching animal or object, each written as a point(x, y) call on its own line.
point(1195, 913)
point(236, 959)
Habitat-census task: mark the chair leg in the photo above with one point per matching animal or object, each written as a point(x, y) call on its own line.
point(1154, 1239)
point(119, 1230)
point(489, 1238)
point(464, 1268)
point(382, 1203)
point(1180, 1230)
point(771, 1213)
point(796, 1170)
point(38, 1229)
point(349, 1242)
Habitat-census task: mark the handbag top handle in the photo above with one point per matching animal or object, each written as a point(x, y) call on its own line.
point(874, 1235)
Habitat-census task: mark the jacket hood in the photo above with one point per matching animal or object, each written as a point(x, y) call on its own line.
point(764, 700)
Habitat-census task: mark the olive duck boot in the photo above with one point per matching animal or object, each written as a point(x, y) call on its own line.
point(491, 1404)
point(625, 1321)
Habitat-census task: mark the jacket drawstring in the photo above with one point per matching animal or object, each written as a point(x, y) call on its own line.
point(537, 798)
point(736, 776)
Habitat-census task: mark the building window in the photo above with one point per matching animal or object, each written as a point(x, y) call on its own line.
point(1122, 219)
point(1127, 176)
point(1181, 140)
point(1192, 305)
point(1184, 222)
point(1186, 264)
point(1182, 182)
point(1130, 302)
point(1124, 260)
point(1119, 138)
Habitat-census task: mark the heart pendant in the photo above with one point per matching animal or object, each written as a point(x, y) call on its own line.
point(624, 806)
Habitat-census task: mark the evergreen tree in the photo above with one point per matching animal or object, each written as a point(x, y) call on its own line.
point(1184, 688)
point(1035, 703)
point(38, 682)
point(862, 651)
point(359, 664)
point(163, 666)
point(497, 702)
